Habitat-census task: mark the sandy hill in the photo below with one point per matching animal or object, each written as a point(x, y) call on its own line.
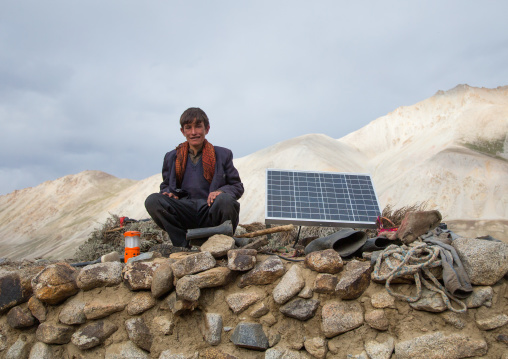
point(450, 150)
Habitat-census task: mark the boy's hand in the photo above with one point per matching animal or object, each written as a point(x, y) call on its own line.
point(170, 195)
point(212, 196)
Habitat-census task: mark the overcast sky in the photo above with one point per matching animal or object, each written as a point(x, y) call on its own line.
point(100, 85)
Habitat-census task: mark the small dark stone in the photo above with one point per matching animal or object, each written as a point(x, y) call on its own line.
point(250, 336)
point(301, 309)
point(502, 338)
point(93, 334)
point(20, 318)
point(139, 333)
point(12, 291)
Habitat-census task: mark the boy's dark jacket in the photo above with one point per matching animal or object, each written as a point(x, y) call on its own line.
point(225, 178)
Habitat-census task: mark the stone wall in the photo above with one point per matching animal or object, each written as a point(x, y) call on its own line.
point(238, 303)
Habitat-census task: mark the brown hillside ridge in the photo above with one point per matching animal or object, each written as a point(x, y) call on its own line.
point(266, 303)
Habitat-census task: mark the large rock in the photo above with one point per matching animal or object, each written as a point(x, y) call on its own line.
point(241, 259)
point(13, 290)
point(100, 275)
point(250, 336)
point(99, 308)
point(41, 351)
point(139, 275)
point(238, 302)
point(55, 283)
point(139, 333)
point(377, 350)
point(417, 223)
point(301, 309)
point(438, 346)
point(189, 287)
point(485, 262)
point(327, 261)
point(340, 317)
point(51, 333)
point(20, 349)
point(125, 350)
point(354, 280)
point(37, 308)
point(325, 283)
point(289, 286)
point(193, 263)
point(93, 334)
point(162, 280)
point(19, 318)
point(140, 303)
point(218, 245)
point(263, 273)
point(213, 328)
point(73, 312)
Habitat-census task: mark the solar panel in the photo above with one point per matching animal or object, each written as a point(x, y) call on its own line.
point(320, 199)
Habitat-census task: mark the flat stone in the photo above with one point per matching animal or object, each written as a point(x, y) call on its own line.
point(327, 261)
point(139, 333)
point(493, 322)
point(485, 262)
point(382, 299)
point(20, 349)
point(93, 334)
point(354, 280)
point(238, 302)
point(218, 245)
point(162, 279)
point(37, 308)
point(125, 350)
point(242, 259)
point(430, 302)
point(301, 309)
point(263, 273)
point(340, 317)
point(41, 351)
point(19, 318)
point(289, 286)
point(139, 275)
point(99, 275)
point(55, 283)
point(377, 319)
point(215, 277)
point(193, 263)
point(306, 292)
point(213, 328)
point(325, 283)
point(437, 346)
point(377, 350)
point(13, 290)
point(51, 333)
point(98, 308)
point(250, 336)
point(316, 347)
point(163, 325)
point(73, 312)
point(140, 303)
point(259, 310)
point(480, 296)
point(144, 257)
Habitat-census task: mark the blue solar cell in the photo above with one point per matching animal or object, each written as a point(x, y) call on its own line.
point(321, 198)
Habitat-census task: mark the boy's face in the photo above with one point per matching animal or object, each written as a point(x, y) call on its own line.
point(195, 133)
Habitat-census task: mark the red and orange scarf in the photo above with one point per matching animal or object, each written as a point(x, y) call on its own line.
point(207, 157)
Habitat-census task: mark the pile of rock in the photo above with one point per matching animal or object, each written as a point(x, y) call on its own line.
point(224, 302)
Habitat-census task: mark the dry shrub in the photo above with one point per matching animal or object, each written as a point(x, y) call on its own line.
point(397, 215)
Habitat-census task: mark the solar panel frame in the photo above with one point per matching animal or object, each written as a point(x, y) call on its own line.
point(317, 198)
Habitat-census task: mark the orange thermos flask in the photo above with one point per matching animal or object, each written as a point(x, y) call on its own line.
point(131, 244)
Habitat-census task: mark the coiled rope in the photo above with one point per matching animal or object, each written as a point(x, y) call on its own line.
point(415, 260)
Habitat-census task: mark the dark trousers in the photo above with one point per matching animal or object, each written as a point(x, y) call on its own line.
point(175, 216)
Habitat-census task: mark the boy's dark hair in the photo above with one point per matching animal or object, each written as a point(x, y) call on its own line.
point(194, 113)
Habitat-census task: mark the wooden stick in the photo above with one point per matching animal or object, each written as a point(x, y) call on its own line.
point(261, 232)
